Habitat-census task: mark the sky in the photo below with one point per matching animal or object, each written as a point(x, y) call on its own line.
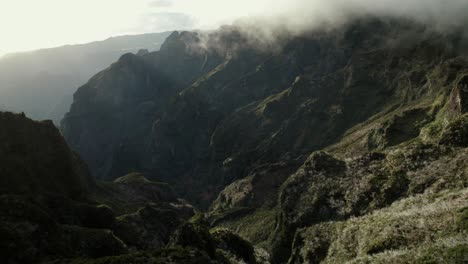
point(33, 24)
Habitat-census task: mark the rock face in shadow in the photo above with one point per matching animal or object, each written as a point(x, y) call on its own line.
point(44, 188)
point(52, 210)
point(116, 109)
point(34, 158)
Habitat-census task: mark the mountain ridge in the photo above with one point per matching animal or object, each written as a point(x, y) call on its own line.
point(41, 82)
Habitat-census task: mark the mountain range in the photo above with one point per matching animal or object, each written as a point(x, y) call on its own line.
point(340, 145)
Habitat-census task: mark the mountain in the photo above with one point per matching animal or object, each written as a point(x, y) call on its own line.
point(53, 211)
point(41, 83)
point(342, 145)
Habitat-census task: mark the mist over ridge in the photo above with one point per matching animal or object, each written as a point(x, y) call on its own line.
point(303, 15)
point(286, 19)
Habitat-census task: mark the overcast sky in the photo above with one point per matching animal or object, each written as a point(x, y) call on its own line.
point(34, 24)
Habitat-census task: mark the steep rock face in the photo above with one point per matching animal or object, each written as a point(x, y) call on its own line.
point(112, 114)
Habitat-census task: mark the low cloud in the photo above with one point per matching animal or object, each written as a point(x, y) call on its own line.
point(438, 13)
point(265, 26)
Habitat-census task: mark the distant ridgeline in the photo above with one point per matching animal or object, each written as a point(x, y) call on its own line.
point(41, 83)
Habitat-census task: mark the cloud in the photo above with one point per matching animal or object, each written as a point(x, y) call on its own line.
point(300, 14)
point(311, 12)
point(49, 23)
point(308, 13)
point(269, 21)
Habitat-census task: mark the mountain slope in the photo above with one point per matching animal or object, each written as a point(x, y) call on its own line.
point(41, 83)
point(240, 107)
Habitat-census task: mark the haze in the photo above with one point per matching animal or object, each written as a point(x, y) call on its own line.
point(30, 24)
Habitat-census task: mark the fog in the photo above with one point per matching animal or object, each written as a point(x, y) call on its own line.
point(29, 25)
point(267, 21)
point(303, 14)
point(298, 15)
